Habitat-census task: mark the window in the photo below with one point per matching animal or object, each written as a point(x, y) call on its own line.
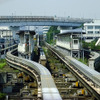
point(89, 37)
point(75, 41)
point(97, 27)
point(90, 27)
point(90, 32)
point(97, 32)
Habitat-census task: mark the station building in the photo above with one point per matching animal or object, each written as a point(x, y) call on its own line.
point(70, 42)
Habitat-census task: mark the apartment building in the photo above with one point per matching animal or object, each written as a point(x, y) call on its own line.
point(92, 30)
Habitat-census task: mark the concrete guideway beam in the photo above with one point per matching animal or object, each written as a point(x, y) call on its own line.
point(94, 90)
point(44, 74)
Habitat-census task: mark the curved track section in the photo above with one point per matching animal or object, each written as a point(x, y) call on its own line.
point(48, 87)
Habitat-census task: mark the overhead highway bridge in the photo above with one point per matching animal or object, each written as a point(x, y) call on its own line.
point(41, 21)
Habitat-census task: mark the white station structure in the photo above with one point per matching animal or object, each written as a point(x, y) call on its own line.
point(26, 45)
point(70, 42)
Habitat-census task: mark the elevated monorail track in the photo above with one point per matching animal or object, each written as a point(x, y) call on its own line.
point(47, 89)
point(87, 76)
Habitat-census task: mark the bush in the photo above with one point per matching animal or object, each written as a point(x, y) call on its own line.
point(85, 61)
point(52, 31)
point(2, 63)
point(91, 45)
point(2, 96)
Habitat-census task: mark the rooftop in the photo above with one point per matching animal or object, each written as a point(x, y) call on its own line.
point(74, 31)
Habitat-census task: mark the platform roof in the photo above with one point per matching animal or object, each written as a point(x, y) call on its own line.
point(73, 31)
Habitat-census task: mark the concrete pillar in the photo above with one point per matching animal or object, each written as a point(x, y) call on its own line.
point(26, 44)
point(71, 53)
point(91, 63)
point(79, 54)
point(37, 40)
point(4, 52)
point(21, 38)
point(14, 31)
point(83, 55)
point(31, 45)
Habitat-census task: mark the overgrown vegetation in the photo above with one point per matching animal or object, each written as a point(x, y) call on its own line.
point(36, 54)
point(91, 45)
point(51, 33)
point(2, 63)
point(2, 96)
point(85, 61)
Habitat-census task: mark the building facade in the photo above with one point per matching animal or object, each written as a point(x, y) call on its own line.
point(45, 31)
point(70, 41)
point(92, 31)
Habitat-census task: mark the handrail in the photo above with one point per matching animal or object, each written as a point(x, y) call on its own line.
point(8, 47)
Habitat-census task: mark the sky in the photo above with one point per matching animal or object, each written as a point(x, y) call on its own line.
point(59, 8)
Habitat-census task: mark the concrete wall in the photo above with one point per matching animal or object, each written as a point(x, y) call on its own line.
point(67, 42)
point(94, 60)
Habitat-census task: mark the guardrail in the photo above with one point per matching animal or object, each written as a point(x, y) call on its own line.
point(47, 88)
point(13, 46)
point(94, 60)
point(7, 48)
point(42, 18)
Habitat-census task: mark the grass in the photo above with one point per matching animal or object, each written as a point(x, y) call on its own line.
point(2, 96)
point(85, 61)
point(16, 71)
point(2, 60)
point(2, 63)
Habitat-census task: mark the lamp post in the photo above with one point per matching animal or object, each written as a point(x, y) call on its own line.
point(81, 45)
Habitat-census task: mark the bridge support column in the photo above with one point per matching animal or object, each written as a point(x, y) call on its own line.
point(14, 30)
point(4, 52)
point(26, 45)
point(31, 45)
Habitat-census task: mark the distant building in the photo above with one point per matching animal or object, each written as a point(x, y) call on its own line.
point(45, 31)
point(5, 33)
point(6, 37)
point(92, 30)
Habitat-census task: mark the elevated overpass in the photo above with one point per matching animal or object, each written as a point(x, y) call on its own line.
point(41, 21)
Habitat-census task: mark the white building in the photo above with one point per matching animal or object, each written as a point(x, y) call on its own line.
point(92, 30)
point(70, 42)
point(5, 32)
point(45, 31)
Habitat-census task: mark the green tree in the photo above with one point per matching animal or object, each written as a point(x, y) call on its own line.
point(52, 31)
point(91, 45)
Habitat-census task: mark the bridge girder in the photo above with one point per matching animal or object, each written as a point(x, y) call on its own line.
point(42, 23)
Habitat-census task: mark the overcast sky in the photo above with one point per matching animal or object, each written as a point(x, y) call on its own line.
point(60, 8)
